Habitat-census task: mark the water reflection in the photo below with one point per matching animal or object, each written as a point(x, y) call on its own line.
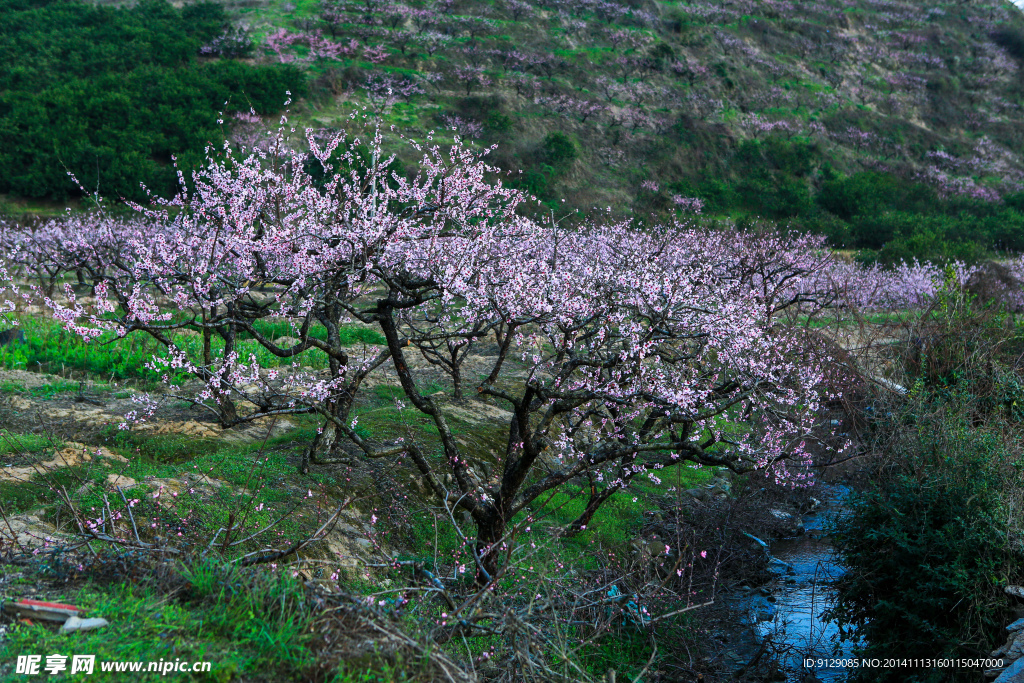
point(802, 595)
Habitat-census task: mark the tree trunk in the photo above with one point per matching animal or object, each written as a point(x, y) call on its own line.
point(319, 451)
point(490, 531)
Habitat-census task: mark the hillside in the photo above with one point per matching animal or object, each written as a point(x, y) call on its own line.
point(848, 118)
point(873, 121)
point(307, 421)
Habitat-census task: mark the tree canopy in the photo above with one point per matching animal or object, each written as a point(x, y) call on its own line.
point(114, 95)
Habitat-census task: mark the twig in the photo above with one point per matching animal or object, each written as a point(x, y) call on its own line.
point(130, 515)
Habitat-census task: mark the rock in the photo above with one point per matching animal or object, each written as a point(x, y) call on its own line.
point(761, 610)
point(27, 530)
point(188, 428)
point(1015, 646)
point(69, 456)
point(1016, 626)
point(792, 524)
point(19, 403)
point(698, 494)
point(1015, 591)
point(98, 451)
point(115, 480)
point(720, 485)
point(1012, 674)
point(78, 624)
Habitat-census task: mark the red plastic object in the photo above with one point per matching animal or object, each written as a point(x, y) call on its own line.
point(40, 609)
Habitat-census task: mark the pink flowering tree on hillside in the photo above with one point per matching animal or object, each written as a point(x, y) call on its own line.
point(620, 353)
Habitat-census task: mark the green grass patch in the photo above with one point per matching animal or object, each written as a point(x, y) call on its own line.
point(49, 348)
point(11, 443)
point(163, 448)
point(21, 497)
point(247, 624)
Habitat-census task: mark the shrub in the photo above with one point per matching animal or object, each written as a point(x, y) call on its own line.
point(928, 550)
point(559, 150)
point(932, 541)
point(861, 193)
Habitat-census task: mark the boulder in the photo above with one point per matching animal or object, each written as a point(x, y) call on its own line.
point(761, 610)
point(1012, 674)
point(115, 480)
point(26, 531)
point(1014, 649)
point(791, 523)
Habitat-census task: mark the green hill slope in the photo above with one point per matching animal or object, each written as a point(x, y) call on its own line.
point(887, 125)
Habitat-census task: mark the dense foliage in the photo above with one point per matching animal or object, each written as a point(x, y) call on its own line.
point(935, 538)
point(113, 95)
point(890, 130)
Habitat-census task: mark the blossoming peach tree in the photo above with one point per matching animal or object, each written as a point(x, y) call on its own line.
point(621, 352)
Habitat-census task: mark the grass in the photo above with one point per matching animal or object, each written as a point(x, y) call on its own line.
point(244, 623)
point(11, 443)
point(49, 348)
point(49, 390)
point(169, 449)
point(262, 484)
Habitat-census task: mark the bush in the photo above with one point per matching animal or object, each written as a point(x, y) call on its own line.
point(861, 193)
point(559, 150)
point(933, 540)
point(775, 195)
point(928, 552)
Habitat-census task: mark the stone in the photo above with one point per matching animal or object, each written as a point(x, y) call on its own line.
point(698, 494)
point(187, 428)
point(115, 480)
point(27, 531)
point(792, 523)
point(67, 457)
point(761, 610)
point(1012, 674)
point(1015, 591)
point(1015, 646)
point(79, 624)
point(19, 403)
point(1016, 626)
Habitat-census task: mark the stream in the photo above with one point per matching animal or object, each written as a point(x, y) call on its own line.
point(791, 612)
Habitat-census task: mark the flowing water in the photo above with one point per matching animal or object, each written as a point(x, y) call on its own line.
point(792, 614)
